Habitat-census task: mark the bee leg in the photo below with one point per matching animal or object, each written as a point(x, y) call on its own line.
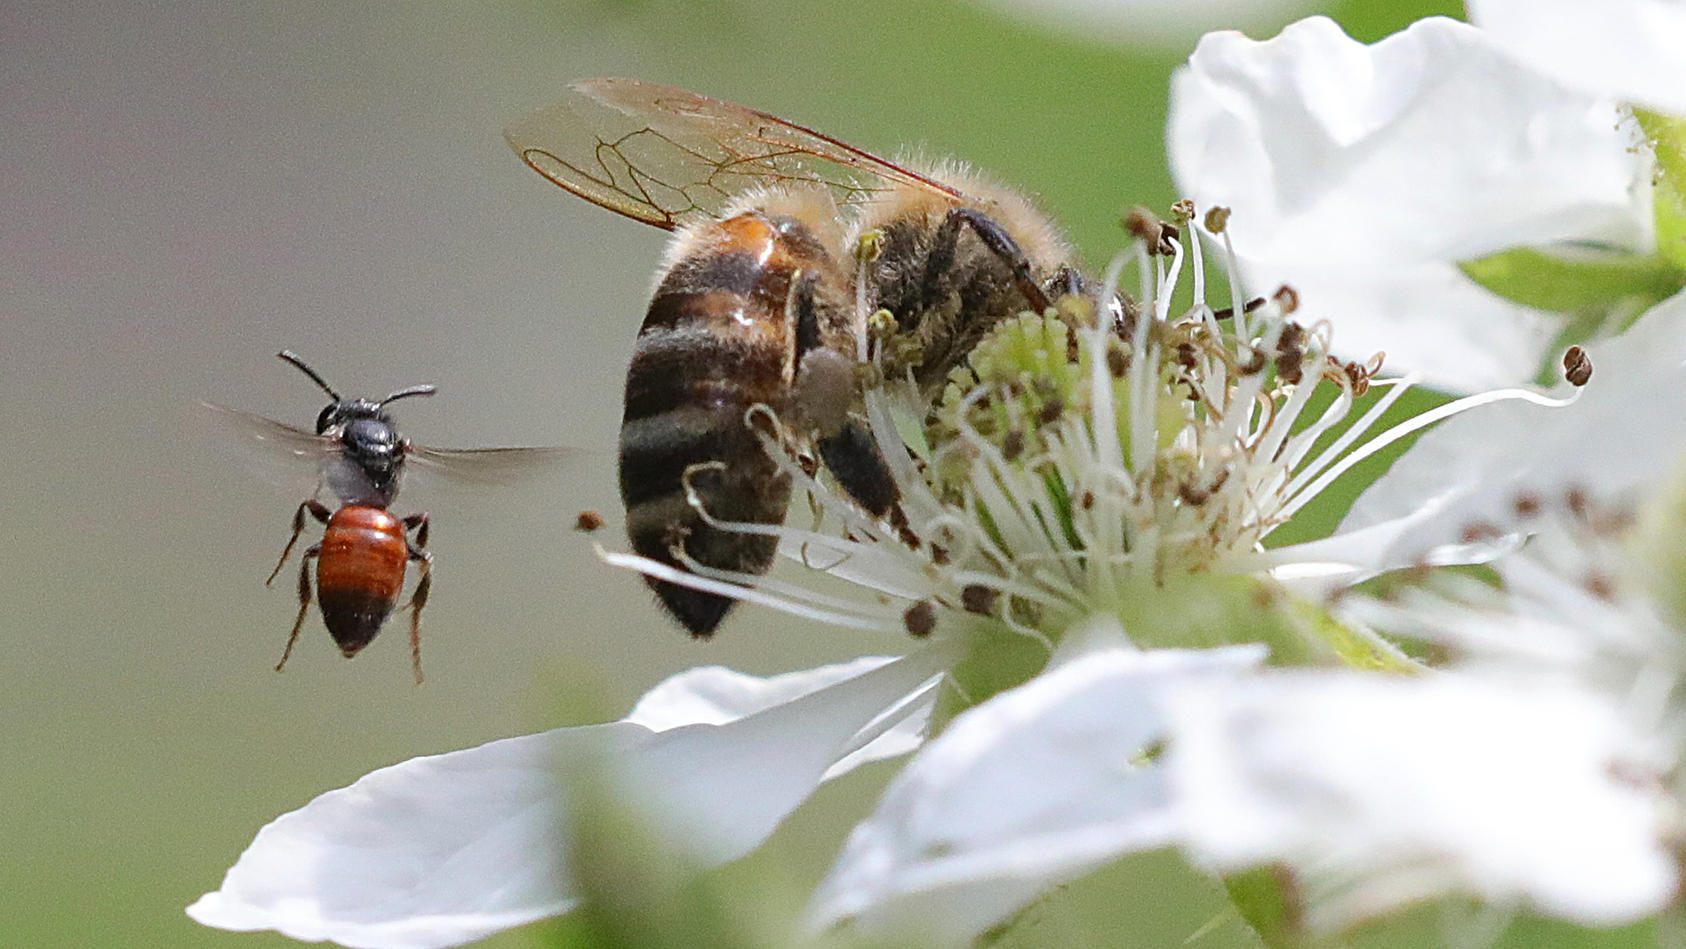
point(417, 522)
point(317, 510)
point(304, 599)
point(418, 553)
point(805, 314)
point(853, 458)
point(940, 260)
point(418, 600)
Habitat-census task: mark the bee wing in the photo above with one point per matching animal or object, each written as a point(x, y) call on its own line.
point(666, 157)
point(278, 453)
point(485, 466)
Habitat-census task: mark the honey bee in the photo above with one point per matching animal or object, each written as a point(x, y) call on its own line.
point(762, 299)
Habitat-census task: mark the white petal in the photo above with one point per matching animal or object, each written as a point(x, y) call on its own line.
point(442, 850)
point(1378, 791)
point(1032, 788)
point(716, 695)
point(1152, 22)
point(1629, 49)
point(1624, 432)
point(1361, 174)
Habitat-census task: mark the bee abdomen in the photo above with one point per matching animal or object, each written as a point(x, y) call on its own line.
point(709, 449)
point(703, 359)
point(360, 573)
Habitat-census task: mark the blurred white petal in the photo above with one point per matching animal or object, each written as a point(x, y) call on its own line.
point(442, 850)
point(1380, 791)
point(1361, 175)
point(715, 695)
point(1626, 431)
point(1030, 789)
point(1161, 23)
point(1634, 50)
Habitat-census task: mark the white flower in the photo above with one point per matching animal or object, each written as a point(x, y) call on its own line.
point(1362, 176)
point(1033, 788)
point(1630, 49)
point(1468, 474)
point(443, 850)
point(1530, 776)
point(1375, 792)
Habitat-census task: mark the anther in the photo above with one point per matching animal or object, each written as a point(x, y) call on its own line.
point(979, 599)
point(588, 521)
point(920, 619)
point(1527, 505)
point(1012, 445)
point(1577, 366)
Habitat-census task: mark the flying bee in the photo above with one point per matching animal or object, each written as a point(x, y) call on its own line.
point(763, 299)
point(364, 552)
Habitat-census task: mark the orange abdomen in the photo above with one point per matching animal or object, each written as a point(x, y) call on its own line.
point(360, 573)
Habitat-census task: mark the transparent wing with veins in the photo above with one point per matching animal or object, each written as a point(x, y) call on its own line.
point(667, 157)
point(291, 457)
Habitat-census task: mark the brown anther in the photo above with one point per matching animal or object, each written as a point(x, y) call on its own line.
point(588, 521)
point(1187, 356)
point(1144, 224)
point(1578, 501)
point(1479, 531)
point(1291, 339)
point(1168, 237)
point(1254, 363)
point(1287, 298)
point(1117, 363)
point(1183, 211)
point(1289, 369)
point(1577, 366)
point(1358, 376)
point(920, 618)
point(939, 555)
point(1012, 445)
point(979, 599)
point(1599, 585)
point(809, 464)
point(1086, 500)
point(1193, 495)
point(1527, 505)
point(904, 530)
point(1051, 411)
point(1217, 218)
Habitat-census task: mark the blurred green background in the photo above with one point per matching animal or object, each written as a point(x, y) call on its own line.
point(191, 186)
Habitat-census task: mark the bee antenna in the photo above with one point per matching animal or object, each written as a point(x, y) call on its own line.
point(298, 361)
point(412, 390)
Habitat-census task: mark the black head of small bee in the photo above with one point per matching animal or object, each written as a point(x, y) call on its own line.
point(365, 431)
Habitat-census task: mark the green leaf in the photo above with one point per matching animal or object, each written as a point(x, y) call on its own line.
point(1561, 282)
point(1265, 899)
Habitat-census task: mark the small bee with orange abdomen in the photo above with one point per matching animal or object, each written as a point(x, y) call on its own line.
point(763, 300)
point(365, 550)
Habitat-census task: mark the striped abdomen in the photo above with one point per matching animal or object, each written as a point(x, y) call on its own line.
point(719, 338)
point(359, 573)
